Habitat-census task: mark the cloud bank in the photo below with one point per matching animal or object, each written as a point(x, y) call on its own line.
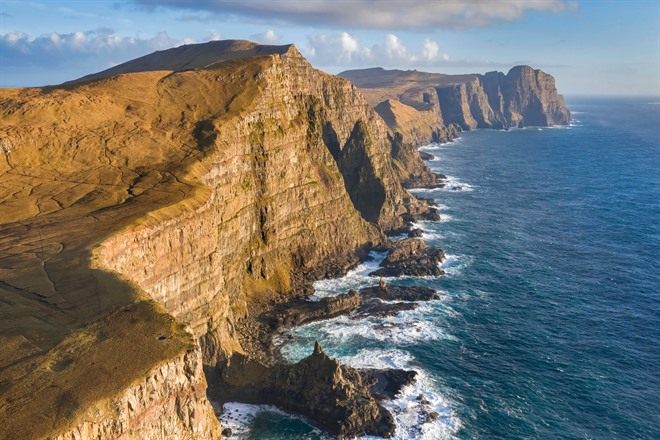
point(19, 49)
point(346, 50)
point(71, 55)
point(374, 14)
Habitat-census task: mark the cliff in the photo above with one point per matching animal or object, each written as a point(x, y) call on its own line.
point(148, 209)
point(427, 107)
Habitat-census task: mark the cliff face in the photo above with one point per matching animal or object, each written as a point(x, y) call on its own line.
point(522, 97)
point(170, 400)
point(208, 192)
point(282, 203)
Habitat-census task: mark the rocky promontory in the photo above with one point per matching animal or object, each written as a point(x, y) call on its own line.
point(433, 107)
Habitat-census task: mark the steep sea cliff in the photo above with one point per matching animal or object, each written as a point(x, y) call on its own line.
point(210, 194)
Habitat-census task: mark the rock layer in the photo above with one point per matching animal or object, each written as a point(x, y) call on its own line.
point(427, 107)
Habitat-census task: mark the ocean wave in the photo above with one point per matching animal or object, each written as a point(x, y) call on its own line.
point(452, 184)
point(409, 410)
point(239, 417)
point(404, 329)
point(354, 279)
point(454, 264)
point(429, 234)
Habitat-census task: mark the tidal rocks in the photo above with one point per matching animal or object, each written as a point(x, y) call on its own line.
point(336, 397)
point(376, 307)
point(411, 257)
point(389, 383)
point(426, 156)
point(301, 311)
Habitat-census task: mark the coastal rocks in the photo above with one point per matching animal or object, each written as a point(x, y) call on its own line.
point(389, 383)
point(426, 156)
point(169, 403)
point(336, 397)
point(393, 292)
point(343, 400)
point(411, 257)
point(300, 311)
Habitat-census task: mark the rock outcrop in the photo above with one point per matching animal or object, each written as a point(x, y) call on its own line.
point(300, 311)
point(336, 397)
point(204, 181)
point(427, 107)
point(411, 257)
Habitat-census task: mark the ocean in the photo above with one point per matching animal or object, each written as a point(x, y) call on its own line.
point(548, 324)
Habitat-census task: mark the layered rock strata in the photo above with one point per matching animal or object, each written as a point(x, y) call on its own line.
point(210, 193)
point(427, 107)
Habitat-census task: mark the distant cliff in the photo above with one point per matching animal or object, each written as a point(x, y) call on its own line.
point(151, 207)
point(426, 107)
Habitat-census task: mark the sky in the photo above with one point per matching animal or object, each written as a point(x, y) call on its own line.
point(591, 47)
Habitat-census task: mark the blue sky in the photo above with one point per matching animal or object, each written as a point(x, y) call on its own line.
point(591, 47)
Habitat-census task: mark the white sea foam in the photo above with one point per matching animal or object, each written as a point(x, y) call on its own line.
point(454, 184)
point(454, 264)
point(408, 411)
point(404, 329)
point(239, 416)
point(354, 279)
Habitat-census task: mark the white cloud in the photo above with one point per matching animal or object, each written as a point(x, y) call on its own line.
point(346, 50)
point(269, 37)
point(380, 14)
point(71, 55)
point(430, 50)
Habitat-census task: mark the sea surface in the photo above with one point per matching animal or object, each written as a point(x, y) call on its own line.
point(548, 326)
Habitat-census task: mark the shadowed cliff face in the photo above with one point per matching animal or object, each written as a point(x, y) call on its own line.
point(424, 106)
point(209, 192)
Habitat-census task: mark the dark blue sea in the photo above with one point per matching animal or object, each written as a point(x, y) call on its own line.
point(548, 326)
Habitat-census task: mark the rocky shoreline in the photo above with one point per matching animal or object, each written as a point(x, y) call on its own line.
point(345, 401)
